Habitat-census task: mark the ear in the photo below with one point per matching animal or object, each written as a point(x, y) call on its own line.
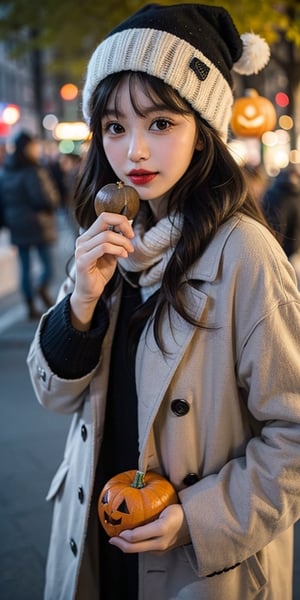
point(199, 144)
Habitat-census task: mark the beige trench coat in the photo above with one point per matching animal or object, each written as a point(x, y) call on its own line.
point(219, 414)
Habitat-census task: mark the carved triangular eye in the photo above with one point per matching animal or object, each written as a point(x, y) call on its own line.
point(123, 508)
point(105, 498)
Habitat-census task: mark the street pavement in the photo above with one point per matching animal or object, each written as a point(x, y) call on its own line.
point(31, 446)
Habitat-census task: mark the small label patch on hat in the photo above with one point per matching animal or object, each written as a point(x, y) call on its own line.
point(200, 68)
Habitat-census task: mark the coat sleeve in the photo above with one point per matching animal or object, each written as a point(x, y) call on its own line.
point(63, 394)
point(69, 352)
point(255, 496)
point(55, 392)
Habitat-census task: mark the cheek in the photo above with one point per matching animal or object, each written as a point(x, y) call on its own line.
point(113, 152)
point(179, 155)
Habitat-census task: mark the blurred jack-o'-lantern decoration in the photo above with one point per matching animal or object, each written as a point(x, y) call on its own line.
point(133, 498)
point(252, 115)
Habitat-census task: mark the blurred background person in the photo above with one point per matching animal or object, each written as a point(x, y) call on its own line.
point(29, 200)
point(2, 154)
point(281, 206)
point(256, 179)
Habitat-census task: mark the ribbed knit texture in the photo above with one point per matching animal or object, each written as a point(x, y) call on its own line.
point(70, 353)
point(153, 249)
point(191, 47)
point(167, 57)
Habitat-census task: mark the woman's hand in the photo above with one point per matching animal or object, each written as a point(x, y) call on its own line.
point(96, 254)
point(168, 531)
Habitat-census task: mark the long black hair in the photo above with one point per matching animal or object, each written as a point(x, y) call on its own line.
point(212, 190)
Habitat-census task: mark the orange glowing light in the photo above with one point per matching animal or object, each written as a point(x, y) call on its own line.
point(69, 91)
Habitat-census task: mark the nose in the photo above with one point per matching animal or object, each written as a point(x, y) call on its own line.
point(138, 148)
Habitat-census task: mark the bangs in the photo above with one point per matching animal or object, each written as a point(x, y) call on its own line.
point(157, 91)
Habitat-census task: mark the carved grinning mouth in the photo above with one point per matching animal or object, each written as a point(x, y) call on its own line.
point(247, 122)
point(110, 520)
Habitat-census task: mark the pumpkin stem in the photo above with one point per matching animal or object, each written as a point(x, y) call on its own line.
point(139, 480)
point(120, 184)
point(251, 93)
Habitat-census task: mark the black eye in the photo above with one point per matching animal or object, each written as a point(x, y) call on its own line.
point(105, 498)
point(123, 508)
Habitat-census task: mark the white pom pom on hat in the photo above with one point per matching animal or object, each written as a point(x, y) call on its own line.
point(255, 55)
point(192, 47)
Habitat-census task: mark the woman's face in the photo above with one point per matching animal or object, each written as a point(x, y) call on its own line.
point(150, 152)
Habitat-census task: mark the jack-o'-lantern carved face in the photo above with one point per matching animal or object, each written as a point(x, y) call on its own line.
point(131, 499)
point(115, 512)
point(252, 115)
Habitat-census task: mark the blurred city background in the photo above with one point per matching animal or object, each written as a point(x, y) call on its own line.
point(44, 49)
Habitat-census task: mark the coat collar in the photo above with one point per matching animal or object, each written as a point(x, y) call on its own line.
point(206, 268)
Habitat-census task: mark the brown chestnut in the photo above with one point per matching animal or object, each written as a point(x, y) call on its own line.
point(117, 198)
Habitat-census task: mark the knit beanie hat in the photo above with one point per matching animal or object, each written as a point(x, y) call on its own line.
point(191, 47)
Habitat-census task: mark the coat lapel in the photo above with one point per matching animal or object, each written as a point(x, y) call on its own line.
point(154, 370)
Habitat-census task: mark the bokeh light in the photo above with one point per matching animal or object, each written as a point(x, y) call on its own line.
point(69, 91)
point(269, 138)
point(75, 130)
point(286, 122)
point(295, 157)
point(50, 121)
point(282, 99)
point(66, 146)
point(10, 114)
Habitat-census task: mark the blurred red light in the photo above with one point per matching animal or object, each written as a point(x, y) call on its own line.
point(282, 99)
point(4, 129)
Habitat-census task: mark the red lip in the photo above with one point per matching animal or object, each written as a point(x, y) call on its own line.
point(141, 177)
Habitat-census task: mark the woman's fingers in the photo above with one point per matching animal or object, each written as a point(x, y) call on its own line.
point(109, 234)
point(96, 253)
point(107, 242)
point(112, 221)
point(166, 532)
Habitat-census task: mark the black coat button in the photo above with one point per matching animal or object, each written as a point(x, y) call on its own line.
point(180, 407)
point(73, 546)
point(190, 479)
point(80, 495)
point(42, 373)
point(83, 432)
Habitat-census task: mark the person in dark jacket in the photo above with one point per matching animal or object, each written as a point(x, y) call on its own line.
point(29, 200)
point(281, 206)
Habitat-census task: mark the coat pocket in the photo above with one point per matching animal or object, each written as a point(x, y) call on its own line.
point(58, 480)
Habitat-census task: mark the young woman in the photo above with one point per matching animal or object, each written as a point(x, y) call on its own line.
point(175, 343)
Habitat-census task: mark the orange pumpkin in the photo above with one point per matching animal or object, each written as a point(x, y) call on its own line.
point(117, 198)
point(252, 115)
point(133, 498)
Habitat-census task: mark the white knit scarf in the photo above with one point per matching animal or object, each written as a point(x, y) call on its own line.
point(152, 251)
